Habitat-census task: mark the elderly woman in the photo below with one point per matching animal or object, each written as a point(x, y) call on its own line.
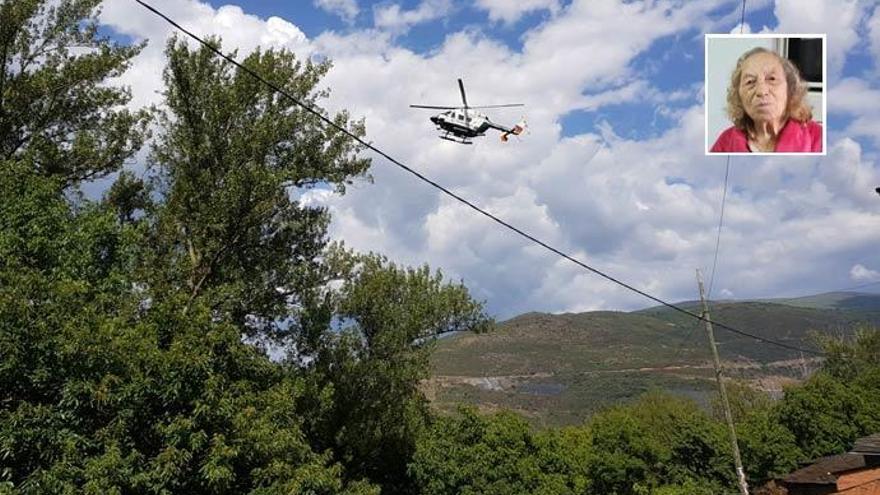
point(766, 101)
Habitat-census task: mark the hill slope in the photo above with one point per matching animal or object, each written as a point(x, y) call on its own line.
point(558, 369)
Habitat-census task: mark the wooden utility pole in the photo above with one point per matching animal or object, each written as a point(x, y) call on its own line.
point(740, 474)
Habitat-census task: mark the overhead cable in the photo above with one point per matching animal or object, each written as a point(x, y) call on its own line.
point(720, 224)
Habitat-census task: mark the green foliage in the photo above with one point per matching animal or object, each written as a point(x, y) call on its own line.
point(230, 156)
point(494, 455)
point(768, 449)
point(689, 487)
point(127, 325)
point(660, 440)
point(366, 405)
point(849, 359)
point(54, 112)
point(94, 404)
point(841, 402)
point(121, 322)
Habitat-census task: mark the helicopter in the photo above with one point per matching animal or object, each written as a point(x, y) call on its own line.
point(461, 124)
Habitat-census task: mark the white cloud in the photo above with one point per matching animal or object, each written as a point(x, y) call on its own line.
point(741, 29)
point(237, 29)
point(345, 9)
point(874, 35)
point(839, 19)
point(511, 11)
point(393, 18)
point(859, 273)
point(854, 96)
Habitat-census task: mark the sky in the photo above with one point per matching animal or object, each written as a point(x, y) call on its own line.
point(612, 169)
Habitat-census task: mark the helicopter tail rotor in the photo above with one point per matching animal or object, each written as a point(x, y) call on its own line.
point(516, 130)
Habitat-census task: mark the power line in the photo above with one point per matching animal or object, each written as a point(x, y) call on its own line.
point(459, 198)
point(742, 24)
point(720, 224)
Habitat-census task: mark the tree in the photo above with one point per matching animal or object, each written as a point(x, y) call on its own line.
point(364, 375)
point(769, 450)
point(111, 385)
point(121, 321)
point(493, 455)
point(848, 359)
point(54, 113)
point(230, 156)
point(660, 440)
point(839, 403)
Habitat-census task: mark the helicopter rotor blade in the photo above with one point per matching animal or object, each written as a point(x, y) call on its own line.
point(463, 100)
point(463, 97)
point(500, 106)
point(434, 107)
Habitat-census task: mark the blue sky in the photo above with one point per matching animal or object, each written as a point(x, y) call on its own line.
point(612, 169)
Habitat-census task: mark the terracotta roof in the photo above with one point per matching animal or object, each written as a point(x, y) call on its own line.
point(869, 445)
point(825, 470)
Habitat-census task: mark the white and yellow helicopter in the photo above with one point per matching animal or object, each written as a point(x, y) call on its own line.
point(460, 124)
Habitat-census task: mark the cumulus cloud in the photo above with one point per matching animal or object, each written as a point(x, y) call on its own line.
point(839, 19)
point(854, 96)
point(874, 35)
point(393, 18)
point(238, 30)
point(347, 10)
point(859, 273)
point(645, 210)
point(509, 12)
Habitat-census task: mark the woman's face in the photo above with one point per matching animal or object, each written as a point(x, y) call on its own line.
point(763, 89)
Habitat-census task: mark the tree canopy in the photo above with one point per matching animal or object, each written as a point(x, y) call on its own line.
point(130, 327)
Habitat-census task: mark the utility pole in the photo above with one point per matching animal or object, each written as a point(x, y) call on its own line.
point(740, 474)
point(804, 370)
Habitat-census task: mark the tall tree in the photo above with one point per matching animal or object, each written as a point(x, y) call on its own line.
point(55, 112)
point(231, 156)
point(121, 321)
point(365, 403)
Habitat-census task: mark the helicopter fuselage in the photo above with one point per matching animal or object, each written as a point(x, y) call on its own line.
point(455, 122)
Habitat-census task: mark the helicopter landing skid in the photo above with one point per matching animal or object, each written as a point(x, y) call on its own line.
point(454, 140)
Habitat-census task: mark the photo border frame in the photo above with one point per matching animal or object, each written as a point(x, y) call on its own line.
point(708, 36)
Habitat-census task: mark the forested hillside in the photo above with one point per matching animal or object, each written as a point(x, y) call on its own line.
point(560, 369)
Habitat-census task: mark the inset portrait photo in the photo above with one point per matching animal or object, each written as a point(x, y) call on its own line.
point(765, 94)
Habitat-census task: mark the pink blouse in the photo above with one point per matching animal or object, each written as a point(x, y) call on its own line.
point(796, 137)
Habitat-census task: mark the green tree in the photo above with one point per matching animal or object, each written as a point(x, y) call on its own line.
point(231, 154)
point(659, 440)
point(365, 373)
point(768, 449)
point(494, 455)
point(849, 359)
point(839, 403)
point(121, 322)
point(54, 112)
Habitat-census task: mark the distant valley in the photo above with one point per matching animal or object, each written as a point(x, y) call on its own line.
point(558, 369)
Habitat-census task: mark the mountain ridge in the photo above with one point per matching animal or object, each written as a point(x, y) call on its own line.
point(559, 368)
